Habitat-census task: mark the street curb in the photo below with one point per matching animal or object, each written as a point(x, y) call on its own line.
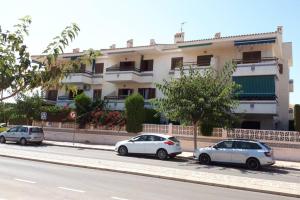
point(157, 176)
point(77, 147)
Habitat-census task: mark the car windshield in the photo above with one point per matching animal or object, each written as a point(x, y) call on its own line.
point(173, 139)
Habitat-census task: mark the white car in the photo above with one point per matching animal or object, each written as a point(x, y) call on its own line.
point(163, 146)
point(252, 153)
point(23, 135)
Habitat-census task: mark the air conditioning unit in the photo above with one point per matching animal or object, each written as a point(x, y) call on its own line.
point(86, 87)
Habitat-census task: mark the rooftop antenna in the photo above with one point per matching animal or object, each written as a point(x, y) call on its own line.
point(181, 26)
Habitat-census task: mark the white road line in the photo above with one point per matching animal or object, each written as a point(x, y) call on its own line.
point(118, 198)
point(25, 181)
point(71, 189)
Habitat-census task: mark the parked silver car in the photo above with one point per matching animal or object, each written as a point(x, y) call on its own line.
point(23, 135)
point(252, 153)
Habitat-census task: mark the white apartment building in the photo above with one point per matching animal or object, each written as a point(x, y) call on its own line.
point(263, 67)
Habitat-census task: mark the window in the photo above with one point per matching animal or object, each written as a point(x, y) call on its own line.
point(250, 125)
point(36, 130)
point(246, 145)
point(13, 129)
point(204, 60)
point(22, 129)
point(173, 139)
point(123, 93)
point(147, 93)
point(252, 57)
point(140, 138)
point(127, 66)
point(155, 138)
point(99, 68)
point(52, 95)
point(225, 145)
point(176, 62)
point(97, 94)
point(280, 67)
point(146, 65)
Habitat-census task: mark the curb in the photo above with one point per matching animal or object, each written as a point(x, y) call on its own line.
point(157, 176)
point(71, 146)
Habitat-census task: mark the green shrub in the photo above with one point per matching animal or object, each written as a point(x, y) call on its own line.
point(207, 129)
point(297, 117)
point(135, 113)
point(151, 116)
point(83, 108)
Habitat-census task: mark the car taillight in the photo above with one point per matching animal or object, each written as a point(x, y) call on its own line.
point(169, 142)
point(268, 154)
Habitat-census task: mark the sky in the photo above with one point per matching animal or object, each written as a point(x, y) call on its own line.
point(107, 22)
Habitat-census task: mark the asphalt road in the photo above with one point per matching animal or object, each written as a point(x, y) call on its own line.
point(21, 179)
point(271, 173)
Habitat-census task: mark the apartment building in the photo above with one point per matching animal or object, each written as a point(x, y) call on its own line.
point(263, 66)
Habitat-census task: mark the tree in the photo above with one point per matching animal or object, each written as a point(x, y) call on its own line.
point(135, 113)
point(297, 117)
point(199, 97)
point(18, 73)
point(83, 109)
point(29, 107)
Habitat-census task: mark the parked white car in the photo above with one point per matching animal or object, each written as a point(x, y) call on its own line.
point(23, 135)
point(163, 146)
point(252, 153)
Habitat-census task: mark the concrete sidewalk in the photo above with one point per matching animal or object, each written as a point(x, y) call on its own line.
point(213, 179)
point(188, 155)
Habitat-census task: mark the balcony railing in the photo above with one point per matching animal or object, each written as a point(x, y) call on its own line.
point(196, 64)
point(247, 61)
point(119, 97)
point(116, 68)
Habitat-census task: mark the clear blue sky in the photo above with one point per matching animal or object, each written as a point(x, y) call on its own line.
point(106, 22)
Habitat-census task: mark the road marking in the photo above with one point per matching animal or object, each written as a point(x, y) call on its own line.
point(71, 189)
point(118, 198)
point(23, 180)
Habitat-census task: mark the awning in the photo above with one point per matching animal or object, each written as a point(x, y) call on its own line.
point(255, 41)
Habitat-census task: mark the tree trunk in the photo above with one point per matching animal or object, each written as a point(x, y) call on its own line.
point(195, 124)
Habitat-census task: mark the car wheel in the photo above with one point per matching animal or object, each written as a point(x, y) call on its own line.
point(204, 159)
point(253, 164)
point(123, 151)
point(23, 141)
point(2, 139)
point(162, 154)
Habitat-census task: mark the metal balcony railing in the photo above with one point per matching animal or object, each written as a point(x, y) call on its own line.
point(116, 68)
point(259, 60)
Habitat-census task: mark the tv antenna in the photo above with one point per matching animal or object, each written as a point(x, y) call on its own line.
point(181, 26)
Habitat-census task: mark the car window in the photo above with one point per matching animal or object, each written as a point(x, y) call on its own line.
point(173, 139)
point(36, 130)
point(154, 138)
point(264, 144)
point(225, 145)
point(140, 138)
point(13, 129)
point(22, 129)
point(246, 145)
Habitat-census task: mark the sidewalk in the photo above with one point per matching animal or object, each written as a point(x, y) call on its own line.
point(206, 178)
point(281, 164)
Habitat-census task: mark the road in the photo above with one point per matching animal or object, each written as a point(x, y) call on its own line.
point(270, 173)
point(21, 179)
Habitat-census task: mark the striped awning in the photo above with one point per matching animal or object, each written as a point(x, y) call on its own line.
point(255, 41)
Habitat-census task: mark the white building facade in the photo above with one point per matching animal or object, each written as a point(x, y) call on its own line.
point(263, 67)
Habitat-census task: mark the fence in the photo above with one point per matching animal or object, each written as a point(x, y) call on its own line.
point(188, 131)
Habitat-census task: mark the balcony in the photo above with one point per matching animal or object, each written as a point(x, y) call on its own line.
point(186, 67)
point(118, 102)
point(117, 74)
point(257, 67)
point(264, 107)
point(79, 77)
point(291, 85)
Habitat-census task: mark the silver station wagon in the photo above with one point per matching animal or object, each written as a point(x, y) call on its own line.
point(253, 154)
point(23, 135)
